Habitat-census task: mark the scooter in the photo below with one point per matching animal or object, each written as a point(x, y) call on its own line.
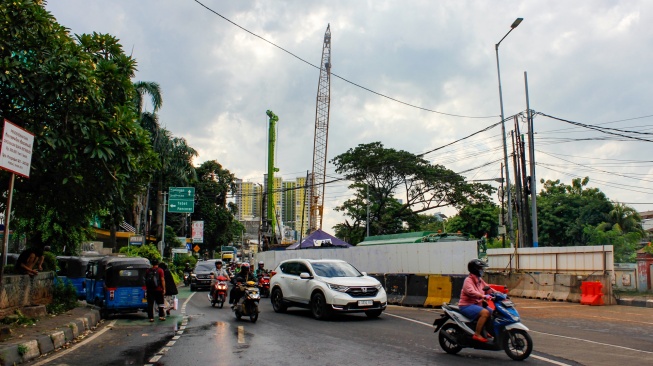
point(264, 285)
point(218, 293)
point(248, 303)
point(186, 279)
point(510, 335)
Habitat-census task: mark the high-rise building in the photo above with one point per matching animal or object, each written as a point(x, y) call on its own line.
point(302, 206)
point(248, 200)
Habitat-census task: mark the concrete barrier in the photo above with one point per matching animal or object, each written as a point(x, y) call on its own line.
point(545, 288)
point(439, 291)
point(395, 287)
point(417, 289)
point(19, 291)
point(530, 286)
point(561, 288)
point(456, 287)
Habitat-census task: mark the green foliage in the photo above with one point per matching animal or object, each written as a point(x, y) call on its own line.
point(648, 249)
point(147, 251)
point(213, 187)
point(625, 244)
point(64, 298)
point(22, 349)
point(476, 220)
point(17, 318)
point(49, 261)
point(171, 238)
point(76, 96)
point(379, 173)
point(565, 210)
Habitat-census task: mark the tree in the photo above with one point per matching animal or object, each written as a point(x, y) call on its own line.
point(565, 210)
point(389, 174)
point(624, 243)
point(75, 95)
point(214, 184)
point(476, 220)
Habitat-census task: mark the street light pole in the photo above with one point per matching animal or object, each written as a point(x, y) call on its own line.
point(503, 131)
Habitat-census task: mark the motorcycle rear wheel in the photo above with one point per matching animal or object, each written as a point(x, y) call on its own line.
point(446, 344)
point(518, 344)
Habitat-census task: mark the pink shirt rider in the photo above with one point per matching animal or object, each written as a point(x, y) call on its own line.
point(472, 292)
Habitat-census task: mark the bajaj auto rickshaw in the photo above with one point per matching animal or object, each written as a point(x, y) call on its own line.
point(73, 270)
point(117, 284)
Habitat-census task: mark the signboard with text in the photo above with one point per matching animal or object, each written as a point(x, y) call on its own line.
point(198, 231)
point(181, 199)
point(16, 151)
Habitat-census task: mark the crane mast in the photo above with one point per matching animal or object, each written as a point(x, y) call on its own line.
point(321, 136)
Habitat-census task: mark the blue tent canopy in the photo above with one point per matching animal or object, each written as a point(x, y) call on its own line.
point(319, 239)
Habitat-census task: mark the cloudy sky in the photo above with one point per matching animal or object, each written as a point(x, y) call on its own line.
point(587, 62)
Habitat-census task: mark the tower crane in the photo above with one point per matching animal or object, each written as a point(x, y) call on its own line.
point(321, 136)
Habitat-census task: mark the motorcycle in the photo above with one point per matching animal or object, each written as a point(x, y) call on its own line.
point(264, 285)
point(218, 293)
point(186, 279)
point(248, 303)
point(510, 335)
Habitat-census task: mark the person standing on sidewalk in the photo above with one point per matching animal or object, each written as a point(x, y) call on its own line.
point(171, 287)
point(155, 283)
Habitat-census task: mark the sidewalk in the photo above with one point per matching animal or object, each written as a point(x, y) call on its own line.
point(644, 300)
point(27, 342)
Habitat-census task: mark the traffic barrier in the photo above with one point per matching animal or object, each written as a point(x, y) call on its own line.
point(499, 288)
point(591, 293)
point(574, 289)
point(395, 287)
point(545, 288)
point(439, 291)
point(518, 288)
point(530, 286)
point(379, 277)
point(561, 287)
point(456, 287)
point(417, 289)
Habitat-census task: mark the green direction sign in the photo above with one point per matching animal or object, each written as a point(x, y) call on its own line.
point(181, 199)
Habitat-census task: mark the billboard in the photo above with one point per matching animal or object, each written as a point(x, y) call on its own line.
point(198, 231)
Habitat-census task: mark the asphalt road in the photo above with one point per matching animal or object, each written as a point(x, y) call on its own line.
point(563, 334)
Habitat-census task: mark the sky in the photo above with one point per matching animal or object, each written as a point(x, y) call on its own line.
point(586, 61)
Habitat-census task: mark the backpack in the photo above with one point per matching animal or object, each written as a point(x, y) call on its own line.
point(152, 279)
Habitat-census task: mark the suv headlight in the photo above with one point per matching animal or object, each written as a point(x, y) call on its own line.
point(338, 288)
point(378, 287)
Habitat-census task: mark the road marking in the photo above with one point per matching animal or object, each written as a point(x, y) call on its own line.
point(431, 326)
point(83, 342)
point(241, 334)
point(184, 322)
point(594, 342)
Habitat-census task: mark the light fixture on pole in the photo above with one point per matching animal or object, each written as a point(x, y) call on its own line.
point(503, 131)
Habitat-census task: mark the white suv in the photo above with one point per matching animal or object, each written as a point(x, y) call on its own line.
point(325, 286)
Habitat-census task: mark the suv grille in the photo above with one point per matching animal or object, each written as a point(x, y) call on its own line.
point(362, 291)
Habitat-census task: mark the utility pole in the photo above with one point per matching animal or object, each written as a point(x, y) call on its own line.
point(503, 204)
point(518, 201)
point(531, 157)
point(524, 197)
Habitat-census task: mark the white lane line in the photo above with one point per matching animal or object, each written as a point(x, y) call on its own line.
point(594, 342)
point(184, 322)
point(431, 325)
point(83, 342)
point(241, 334)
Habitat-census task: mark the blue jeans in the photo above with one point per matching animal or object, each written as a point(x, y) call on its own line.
point(471, 311)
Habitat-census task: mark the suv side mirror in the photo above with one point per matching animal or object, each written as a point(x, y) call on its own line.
point(305, 276)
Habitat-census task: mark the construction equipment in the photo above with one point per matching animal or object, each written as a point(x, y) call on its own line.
point(321, 136)
point(269, 221)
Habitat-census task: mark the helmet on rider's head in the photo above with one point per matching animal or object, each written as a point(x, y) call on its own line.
point(475, 266)
point(244, 267)
point(218, 262)
point(261, 264)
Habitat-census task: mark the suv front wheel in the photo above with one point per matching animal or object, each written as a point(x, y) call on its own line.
point(321, 310)
point(277, 301)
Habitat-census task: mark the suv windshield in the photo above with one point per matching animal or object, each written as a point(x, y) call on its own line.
point(335, 269)
point(205, 267)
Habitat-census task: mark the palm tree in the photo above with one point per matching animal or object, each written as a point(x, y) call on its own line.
point(626, 218)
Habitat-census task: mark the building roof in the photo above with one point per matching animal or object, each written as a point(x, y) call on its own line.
point(319, 239)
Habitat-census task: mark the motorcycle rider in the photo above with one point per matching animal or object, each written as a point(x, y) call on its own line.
point(237, 291)
point(472, 297)
point(187, 271)
point(217, 272)
point(260, 271)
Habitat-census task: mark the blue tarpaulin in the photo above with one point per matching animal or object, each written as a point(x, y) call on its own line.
point(319, 239)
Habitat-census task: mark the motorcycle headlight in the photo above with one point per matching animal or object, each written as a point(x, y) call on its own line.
point(338, 288)
point(193, 275)
point(255, 296)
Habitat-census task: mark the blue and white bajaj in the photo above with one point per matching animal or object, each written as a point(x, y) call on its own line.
point(504, 325)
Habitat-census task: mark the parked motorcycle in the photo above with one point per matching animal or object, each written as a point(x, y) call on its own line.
point(504, 325)
point(264, 285)
point(248, 303)
point(218, 293)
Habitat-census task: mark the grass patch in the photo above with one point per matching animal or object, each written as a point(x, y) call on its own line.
point(18, 319)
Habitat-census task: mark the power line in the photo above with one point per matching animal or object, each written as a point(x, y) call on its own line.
point(336, 75)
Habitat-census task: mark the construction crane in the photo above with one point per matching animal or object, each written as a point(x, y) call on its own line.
point(321, 136)
point(269, 221)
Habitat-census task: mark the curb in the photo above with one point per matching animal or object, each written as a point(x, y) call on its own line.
point(629, 301)
point(28, 350)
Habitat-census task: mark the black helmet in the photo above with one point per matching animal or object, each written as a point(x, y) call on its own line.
point(475, 266)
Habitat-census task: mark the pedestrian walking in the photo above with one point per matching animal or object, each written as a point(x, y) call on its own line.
point(171, 288)
point(155, 284)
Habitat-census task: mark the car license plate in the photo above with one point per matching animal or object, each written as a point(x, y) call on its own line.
point(365, 302)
